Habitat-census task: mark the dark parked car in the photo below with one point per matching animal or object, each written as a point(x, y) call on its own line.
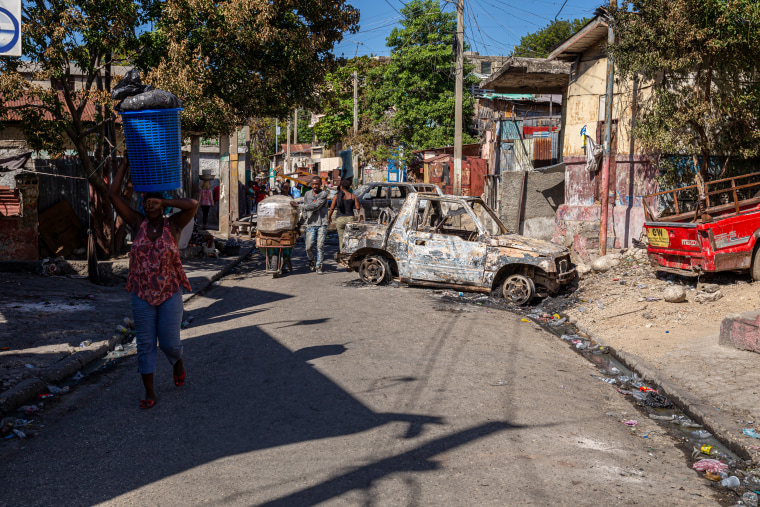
point(373, 197)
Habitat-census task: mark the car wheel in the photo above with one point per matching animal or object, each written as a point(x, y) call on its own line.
point(755, 271)
point(519, 289)
point(374, 270)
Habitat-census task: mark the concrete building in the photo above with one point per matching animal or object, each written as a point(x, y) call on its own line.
point(576, 69)
point(631, 173)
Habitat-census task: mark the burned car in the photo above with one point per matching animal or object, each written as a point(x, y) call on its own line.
point(376, 196)
point(454, 242)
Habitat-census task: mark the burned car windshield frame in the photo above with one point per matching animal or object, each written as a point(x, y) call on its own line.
point(429, 196)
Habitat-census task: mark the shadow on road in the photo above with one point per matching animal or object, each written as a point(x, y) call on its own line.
point(245, 392)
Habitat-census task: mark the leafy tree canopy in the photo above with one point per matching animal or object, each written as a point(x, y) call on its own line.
point(701, 59)
point(414, 93)
point(337, 100)
point(57, 38)
point(257, 57)
point(540, 43)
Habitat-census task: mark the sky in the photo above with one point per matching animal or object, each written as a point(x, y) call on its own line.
point(492, 27)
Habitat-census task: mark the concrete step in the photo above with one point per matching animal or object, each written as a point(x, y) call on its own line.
point(741, 331)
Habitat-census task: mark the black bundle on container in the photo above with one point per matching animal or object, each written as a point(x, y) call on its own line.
point(152, 132)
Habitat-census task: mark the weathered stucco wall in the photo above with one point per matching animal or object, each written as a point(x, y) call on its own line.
point(631, 174)
point(542, 196)
point(18, 235)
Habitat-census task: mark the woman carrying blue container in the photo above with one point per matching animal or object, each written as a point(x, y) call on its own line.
point(156, 279)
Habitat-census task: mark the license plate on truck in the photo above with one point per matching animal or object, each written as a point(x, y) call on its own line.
point(658, 237)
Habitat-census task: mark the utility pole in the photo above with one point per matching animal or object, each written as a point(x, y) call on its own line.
point(295, 127)
point(286, 168)
point(458, 101)
point(356, 103)
point(355, 157)
point(607, 139)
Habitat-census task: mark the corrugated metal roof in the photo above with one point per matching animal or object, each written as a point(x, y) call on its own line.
point(10, 203)
point(88, 115)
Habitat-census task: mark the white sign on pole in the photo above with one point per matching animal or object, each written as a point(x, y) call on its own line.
point(10, 27)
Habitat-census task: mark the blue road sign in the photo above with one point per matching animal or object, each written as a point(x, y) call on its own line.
point(10, 33)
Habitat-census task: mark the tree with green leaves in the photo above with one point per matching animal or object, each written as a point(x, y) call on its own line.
point(337, 100)
point(541, 43)
point(413, 93)
point(261, 58)
point(701, 59)
point(59, 37)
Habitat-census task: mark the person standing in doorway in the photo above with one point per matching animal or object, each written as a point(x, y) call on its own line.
point(314, 209)
point(206, 198)
point(346, 204)
point(155, 279)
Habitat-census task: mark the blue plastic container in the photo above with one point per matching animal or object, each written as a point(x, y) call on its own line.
point(154, 145)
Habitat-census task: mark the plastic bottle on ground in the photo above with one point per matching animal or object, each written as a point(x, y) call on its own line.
point(731, 482)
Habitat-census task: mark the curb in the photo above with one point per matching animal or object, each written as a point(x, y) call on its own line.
point(699, 410)
point(244, 252)
point(27, 390)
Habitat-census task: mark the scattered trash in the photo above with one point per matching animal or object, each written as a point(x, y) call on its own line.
point(701, 434)
point(605, 379)
point(524, 320)
point(642, 286)
point(78, 376)
point(710, 465)
point(652, 298)
point(216, 283)
point(184, 324)
point(750, 499)
point(558, 322)
point(58, 390)
point(44, 396)
point(19, 433)
point(599, 304)
point(29, 409)
point(632, 422)
point(85, 343)
point(731, 482)
point(751, 433)
point(30, 366)
point(500, 383)
point(5, 348)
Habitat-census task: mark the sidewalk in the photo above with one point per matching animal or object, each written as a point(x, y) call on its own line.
point(45, 319)
point(675, 345)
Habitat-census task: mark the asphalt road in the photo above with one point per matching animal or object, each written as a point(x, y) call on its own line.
point(311, 390)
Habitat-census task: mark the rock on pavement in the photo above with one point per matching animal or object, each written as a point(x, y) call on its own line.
point(703, 297)
point(675, 294)
point(605, 263)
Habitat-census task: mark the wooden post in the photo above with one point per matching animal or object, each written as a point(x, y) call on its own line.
point(234, 178)
point(195, 163)
point(224, 185)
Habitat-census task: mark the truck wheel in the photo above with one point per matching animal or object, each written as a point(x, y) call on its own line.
point(374, 270)
point(755, 271)
point(519, 289)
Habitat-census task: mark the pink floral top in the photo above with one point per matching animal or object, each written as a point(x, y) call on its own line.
point(155, 270)
point(206, 197)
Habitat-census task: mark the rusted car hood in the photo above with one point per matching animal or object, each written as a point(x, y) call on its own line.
point(536, 246)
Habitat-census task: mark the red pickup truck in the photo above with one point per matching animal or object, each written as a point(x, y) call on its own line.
point(723, 238)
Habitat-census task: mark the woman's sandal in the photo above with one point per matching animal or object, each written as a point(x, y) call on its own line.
point(179, 380)
point(146, 404)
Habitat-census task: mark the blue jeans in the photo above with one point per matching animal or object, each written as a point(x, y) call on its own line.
point(316, 232)
point(157, 323)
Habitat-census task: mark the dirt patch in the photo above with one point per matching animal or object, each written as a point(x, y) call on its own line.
point(626, 305)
